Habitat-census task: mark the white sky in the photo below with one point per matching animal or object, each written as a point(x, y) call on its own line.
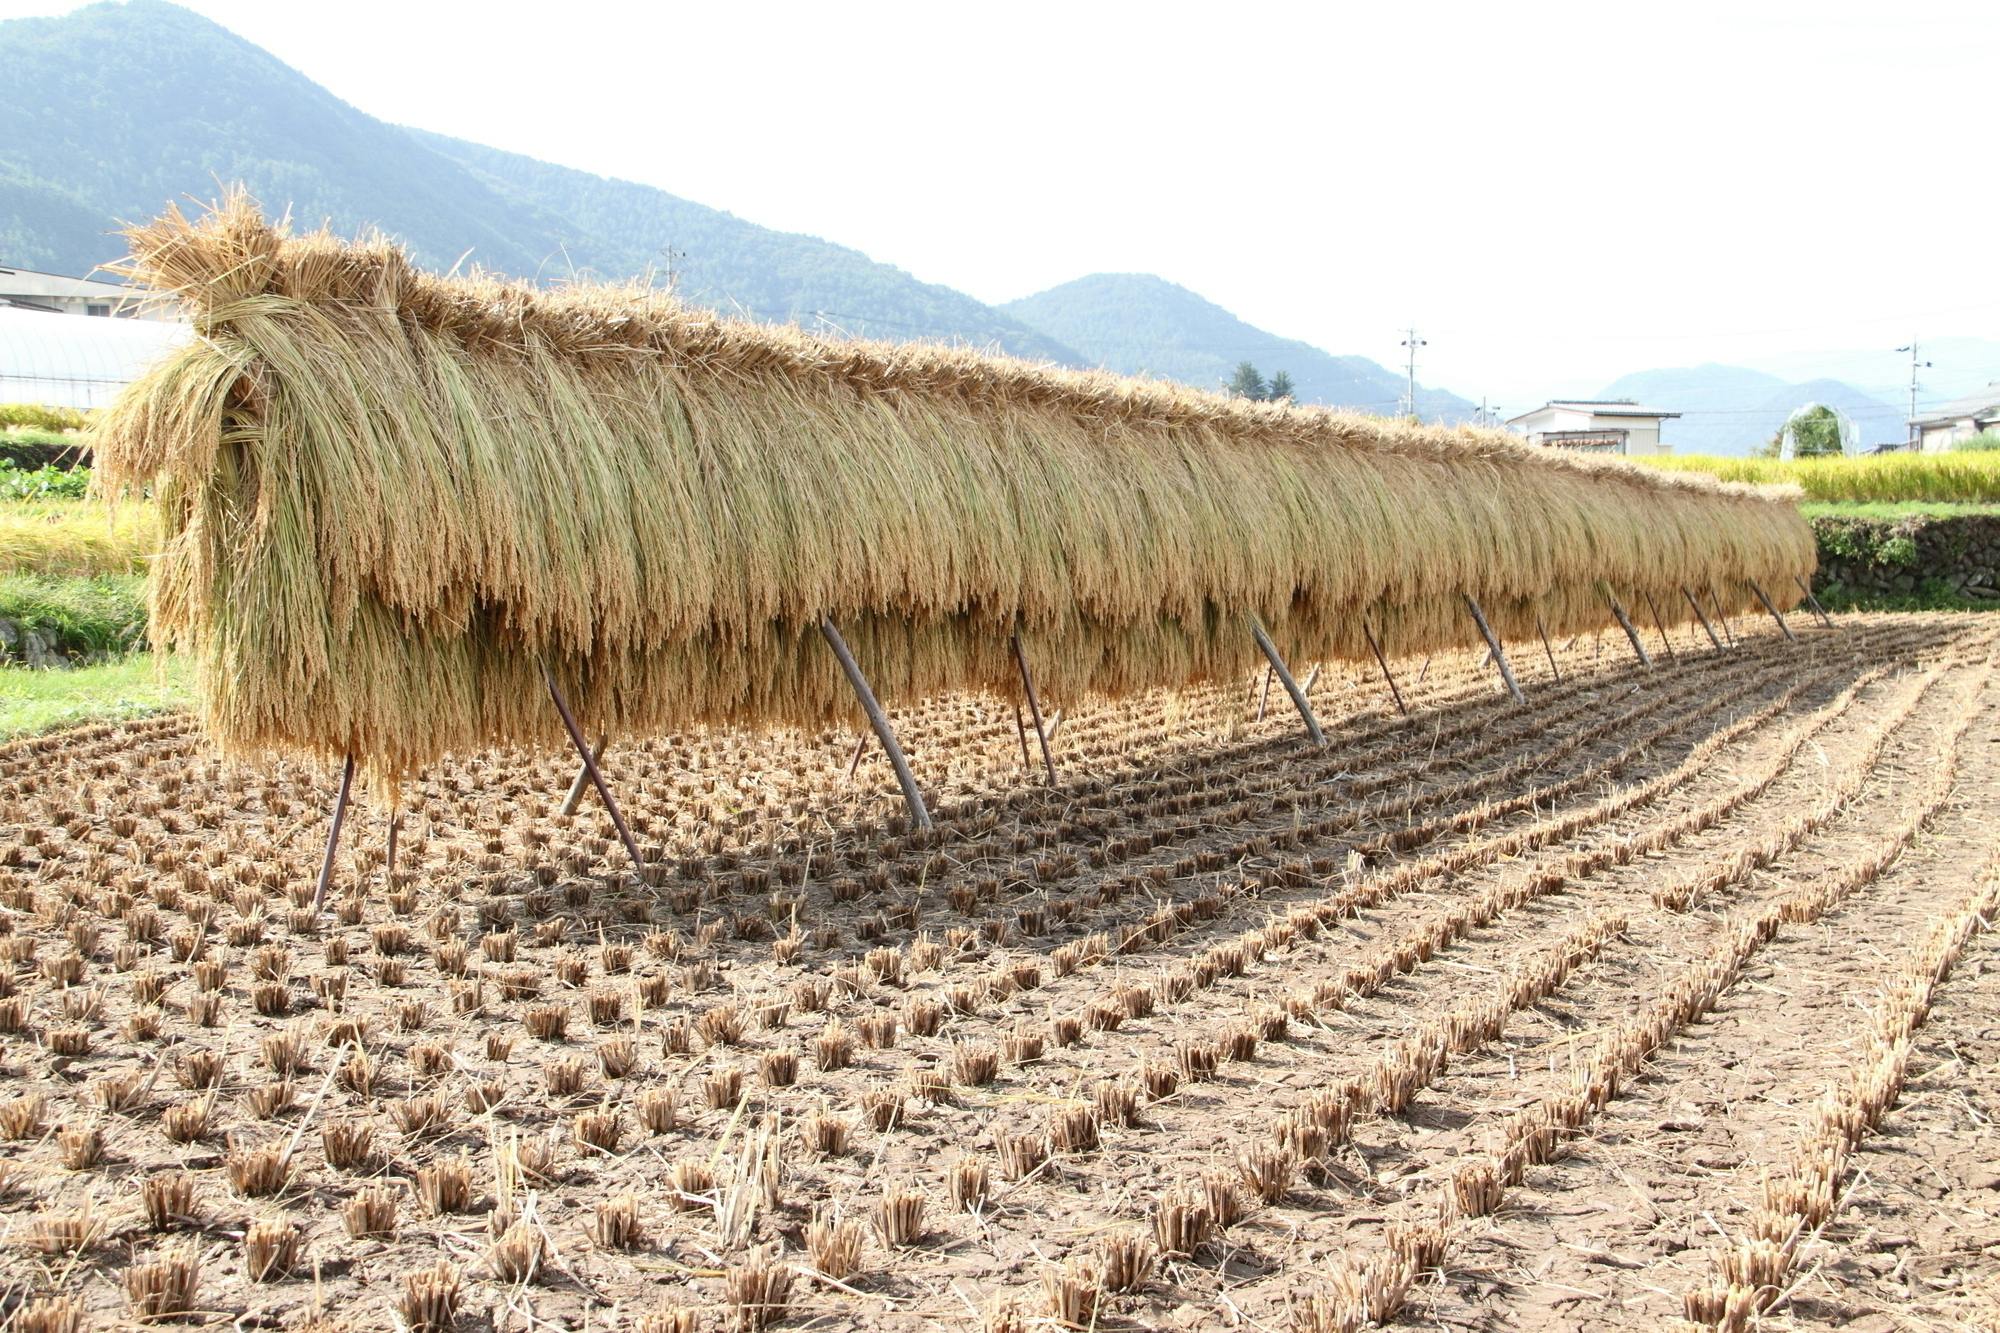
point(1553, 194)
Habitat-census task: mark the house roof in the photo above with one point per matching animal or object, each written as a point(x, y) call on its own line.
point(27, 282)
point(1984, 404)
point(1597, 407)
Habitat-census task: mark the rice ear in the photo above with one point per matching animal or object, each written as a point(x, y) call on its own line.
point(390, 498)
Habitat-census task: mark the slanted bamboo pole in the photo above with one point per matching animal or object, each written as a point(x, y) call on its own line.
point(1291, 686)
point(596, 774)
point(1769, 606)
point(1383, 662)
point(1813, 602)
point(1728, 630)
point(1702, 616)
point(1625, 623)
point(1493, 644)
point(1264, 696)
point(1034, 706)
point(1542, 632)
point(1021, 731)
point(854, 759)
point(577, 784)
point(879, 720)
point(1653, 609)
point(333, 832)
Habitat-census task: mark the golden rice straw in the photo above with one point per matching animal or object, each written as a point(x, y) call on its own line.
point(389, 499)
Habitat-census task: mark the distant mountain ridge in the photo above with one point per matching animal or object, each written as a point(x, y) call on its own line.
point(1139, 324)
point(115, 109)
point(118, 108)
point(1734, 411)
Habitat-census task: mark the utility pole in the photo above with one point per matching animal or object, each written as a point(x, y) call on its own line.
point(1413, 342)
point(1914, 363)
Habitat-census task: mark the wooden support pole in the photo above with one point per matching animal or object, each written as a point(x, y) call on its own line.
point(389, 866)
point(861, 744)
point(1542, 632)
point(1055, 725)
point(1383, 662)
point(1813, 602)
point(590, 767)
point(1423, 671)
point(1653, 609)
point(1311, 677)
point(1034, 706)
point(1728, 630)
point(1291, 686)
point(1772, 608)
point(1021, 731)
point(1625, 623)
point(879, 720)
point(1264, 696)
point(582, 779)
point(1499, 653)
point(1702, 616)
point(333, 833)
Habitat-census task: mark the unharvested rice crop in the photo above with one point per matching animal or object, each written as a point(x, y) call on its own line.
point(1969, 476)
point(1666, 993)
point(391, 500)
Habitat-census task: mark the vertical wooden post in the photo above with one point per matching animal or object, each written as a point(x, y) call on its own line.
point(861, 744)
point(333, 832)
point(1625, 623)
point(389, 866)
point(590, 767)
point(1264, 695)
point(582, 779)
point(1702, 616)
point(1813, 602)
point(1543, 633)
point(1768, 606)
point(1034, 706)
point(1383, 662)
point(1493, 644)
point(1021, 732)
point(879, 720)
point(1291, 686)
point(1653, 608)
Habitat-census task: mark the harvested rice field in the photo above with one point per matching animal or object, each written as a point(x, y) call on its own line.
point(1663, 996)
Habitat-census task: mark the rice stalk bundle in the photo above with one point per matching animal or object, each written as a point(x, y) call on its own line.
point(390, 499)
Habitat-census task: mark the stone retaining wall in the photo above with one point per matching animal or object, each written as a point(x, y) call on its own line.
point(1910, 557)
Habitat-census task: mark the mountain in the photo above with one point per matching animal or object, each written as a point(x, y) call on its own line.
point(1958, 366)
point(1135, 323)
point(1732, 410)
point(116, 109)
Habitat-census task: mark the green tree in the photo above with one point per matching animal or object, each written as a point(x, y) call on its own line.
point(1814, 433)
point(1247, 383)
point(1280, 389)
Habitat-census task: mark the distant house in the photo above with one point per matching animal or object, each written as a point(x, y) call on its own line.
point(52, 293)
point(1605, 426)
point(1958, 421)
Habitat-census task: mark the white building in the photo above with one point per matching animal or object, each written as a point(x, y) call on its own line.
point(52, 293)
point(1612, 426)
point(1958, 421)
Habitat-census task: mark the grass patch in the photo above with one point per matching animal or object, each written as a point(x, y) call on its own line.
point(1890, 511)
point(74, 617)
point(1964, 477)
point(1930, 595)
point(77, 537)
point(132, 686)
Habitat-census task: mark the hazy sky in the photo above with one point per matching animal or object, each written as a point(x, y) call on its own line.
point(1552, 194)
